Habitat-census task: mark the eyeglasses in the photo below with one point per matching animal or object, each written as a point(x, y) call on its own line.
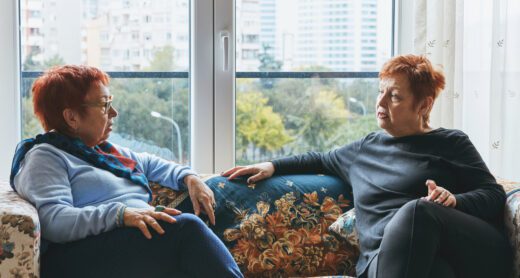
point(106, 105)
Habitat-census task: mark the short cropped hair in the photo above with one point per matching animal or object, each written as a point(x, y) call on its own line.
point(60, 88)
point(425, 81)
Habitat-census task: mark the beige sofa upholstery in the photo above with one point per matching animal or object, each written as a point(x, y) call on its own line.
point(20, 232)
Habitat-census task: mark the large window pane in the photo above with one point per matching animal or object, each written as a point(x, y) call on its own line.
point(301, 114)
point(341, 43)
point(149, 38)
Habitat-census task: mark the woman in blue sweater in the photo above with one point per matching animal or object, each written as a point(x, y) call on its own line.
point(426, 204)
point(92, 197)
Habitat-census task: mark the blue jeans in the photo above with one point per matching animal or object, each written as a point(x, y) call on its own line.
point(187, 249)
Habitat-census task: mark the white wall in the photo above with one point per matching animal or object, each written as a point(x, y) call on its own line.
point(9, 83)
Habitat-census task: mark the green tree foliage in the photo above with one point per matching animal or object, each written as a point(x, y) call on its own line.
point(53, 61)
point(162, 59)
point(136, 98)
point(258, 129)
point(318, 112)
point(31, 125)
point(29, 64)
point(268, 63)
point(365, 91)
point(326, 113)
point(352, 130)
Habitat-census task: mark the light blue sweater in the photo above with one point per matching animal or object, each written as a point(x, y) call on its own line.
point(75, 200)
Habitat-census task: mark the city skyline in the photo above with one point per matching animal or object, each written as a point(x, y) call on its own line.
point(125, 35)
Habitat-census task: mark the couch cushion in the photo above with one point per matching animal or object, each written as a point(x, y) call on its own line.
point(512, 220)
point(278, 227)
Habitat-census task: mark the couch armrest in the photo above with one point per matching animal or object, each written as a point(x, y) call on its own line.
point(19, 235)
point(512, 223)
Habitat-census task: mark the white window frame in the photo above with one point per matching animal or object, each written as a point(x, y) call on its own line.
point(10, 80)
point(202, 87)
point(224, 144)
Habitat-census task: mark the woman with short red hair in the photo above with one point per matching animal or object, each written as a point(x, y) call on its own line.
point(426, 204)
point(88, 192)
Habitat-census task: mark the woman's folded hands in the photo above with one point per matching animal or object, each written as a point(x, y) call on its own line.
point(439, 195)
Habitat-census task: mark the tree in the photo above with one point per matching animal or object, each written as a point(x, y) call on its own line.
point(363, 90)
point(325, 114)
point(31, 125)
point(53, 61)
point(162, 59)
point(268, 63)
point(29, 64)
point(136, 98)
point(353, 129)
point(258, 127)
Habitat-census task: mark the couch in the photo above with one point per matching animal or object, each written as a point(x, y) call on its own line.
point(276, 228)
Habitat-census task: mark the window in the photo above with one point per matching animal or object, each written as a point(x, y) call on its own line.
point(291, 58)
point(144, 81)
point(316, 92)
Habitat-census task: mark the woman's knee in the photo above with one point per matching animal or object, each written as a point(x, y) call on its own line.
point(190, 222)
point(415, 212)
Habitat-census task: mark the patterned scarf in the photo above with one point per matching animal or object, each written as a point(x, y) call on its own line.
point(104, 156)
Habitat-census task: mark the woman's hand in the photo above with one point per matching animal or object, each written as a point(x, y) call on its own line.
point(258, 171)
point(439, 195)
point(201, 197)
point(142, 218)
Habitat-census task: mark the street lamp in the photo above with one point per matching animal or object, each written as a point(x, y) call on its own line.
point(354, 100)
point(179, 142)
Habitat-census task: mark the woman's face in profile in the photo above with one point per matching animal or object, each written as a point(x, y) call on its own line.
point(95, 126)
point(395, 109)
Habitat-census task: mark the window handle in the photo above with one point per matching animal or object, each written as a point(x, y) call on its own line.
point(224, 45)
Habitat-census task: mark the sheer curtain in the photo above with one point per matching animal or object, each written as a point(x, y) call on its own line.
point(477, 43)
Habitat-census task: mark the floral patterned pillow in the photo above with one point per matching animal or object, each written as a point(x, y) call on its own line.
point(345, 227)
point(278, 227)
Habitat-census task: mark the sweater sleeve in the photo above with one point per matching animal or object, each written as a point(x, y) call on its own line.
point(478, 193)
point(164, 172)
point(334, 162)
point(43, 180)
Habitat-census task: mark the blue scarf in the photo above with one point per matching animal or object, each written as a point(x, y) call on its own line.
point(104, 156)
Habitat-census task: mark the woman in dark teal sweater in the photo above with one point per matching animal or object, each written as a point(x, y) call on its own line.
point(426, 204)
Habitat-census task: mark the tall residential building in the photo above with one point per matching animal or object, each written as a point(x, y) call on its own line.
point(51, 29)
point(30, 30)
point(338, 35)
point(268, 27)
point(248, 32)
point(127, 34)
point(62, 30)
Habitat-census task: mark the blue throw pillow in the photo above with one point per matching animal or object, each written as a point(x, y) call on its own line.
point(279, 226)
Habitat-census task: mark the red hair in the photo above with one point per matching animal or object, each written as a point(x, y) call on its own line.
point(60, 88)
point(425, 81)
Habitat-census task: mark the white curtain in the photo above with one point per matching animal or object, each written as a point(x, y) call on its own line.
point(477, 44)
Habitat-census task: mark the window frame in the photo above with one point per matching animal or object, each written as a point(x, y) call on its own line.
point(10, 113)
